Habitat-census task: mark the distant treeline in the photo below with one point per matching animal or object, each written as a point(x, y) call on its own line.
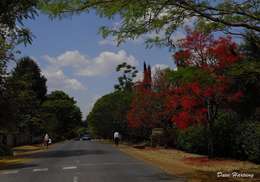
point(27, 110)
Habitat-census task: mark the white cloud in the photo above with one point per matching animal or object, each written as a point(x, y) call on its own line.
point(79, 64)
point(68, 59)
point(158, 67)
point(107, 41)
point(105, 63)
point(139, 76)
point(58, 80)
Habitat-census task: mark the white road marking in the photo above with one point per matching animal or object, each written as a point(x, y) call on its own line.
point(40, 170)
point(69, 167)
point(75, 179)
point(10, 172)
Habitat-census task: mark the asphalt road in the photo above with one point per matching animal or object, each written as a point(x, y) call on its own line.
point(84, 161)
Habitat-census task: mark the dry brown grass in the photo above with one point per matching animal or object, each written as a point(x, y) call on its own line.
point(192, 166)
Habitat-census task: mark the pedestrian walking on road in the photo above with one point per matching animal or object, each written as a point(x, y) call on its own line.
point(116, 138)
point(46, 140)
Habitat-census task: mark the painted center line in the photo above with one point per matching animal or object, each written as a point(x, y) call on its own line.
point(40, 170)
point(69, 167)
point(10, 172)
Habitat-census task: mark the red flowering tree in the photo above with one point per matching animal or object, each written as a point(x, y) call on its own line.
point(197, 100)
point(203, 51)
point(148, 103)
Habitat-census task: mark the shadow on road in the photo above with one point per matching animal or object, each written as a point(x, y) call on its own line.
point(67, 153)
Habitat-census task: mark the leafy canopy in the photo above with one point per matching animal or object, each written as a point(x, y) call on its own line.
point(163, 16)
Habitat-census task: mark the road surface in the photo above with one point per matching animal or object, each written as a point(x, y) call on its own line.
point(84, 161)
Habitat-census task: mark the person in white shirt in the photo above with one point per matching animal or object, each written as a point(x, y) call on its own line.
point(116, 138)
point(46, 140)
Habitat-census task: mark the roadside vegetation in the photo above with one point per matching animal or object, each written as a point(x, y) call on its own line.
point(208, 105)
point(28, 112)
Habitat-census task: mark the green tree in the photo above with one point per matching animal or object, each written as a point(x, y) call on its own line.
point(141, 17)
point(126, 80)
point(26, 89)
point(64, 113)
point(109, 115)
point(246, 75)
point(12, 30)
point(27, 70)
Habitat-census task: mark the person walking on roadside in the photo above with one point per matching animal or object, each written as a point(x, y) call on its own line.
point(116, 138)
point(46, 140)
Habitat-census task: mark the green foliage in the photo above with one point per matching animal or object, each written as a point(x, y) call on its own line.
point(28, 71)
point(26, 89)
point(189, 75)
point(81, 130)
point(126, 80)
point(163, 18)
point(231, 138)
point(246, 75)
point(224, 134)
point(12, 16)
point(251, 46)
point(248, 141)
point(5, 151)
point(66, 117)
point(109, 115)
point(193, 139)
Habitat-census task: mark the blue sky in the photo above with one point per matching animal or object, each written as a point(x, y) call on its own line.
point(76, 59)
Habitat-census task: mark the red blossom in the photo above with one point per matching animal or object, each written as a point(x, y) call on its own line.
point(195, 87)
point(182, 119)
point(202, 50)
point(188, 102)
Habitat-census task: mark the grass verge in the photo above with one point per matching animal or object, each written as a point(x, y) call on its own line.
point(21, 156)
point(195, 168)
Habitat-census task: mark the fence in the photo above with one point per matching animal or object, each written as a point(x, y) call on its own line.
point(12, 140)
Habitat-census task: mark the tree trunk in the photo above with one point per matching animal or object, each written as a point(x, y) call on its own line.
point(210, 128)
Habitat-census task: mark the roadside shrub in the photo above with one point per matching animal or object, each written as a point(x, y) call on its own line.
point(193, 139)
point(5, 150)
point(248, 141)
point(236, 139)
point(224, 134)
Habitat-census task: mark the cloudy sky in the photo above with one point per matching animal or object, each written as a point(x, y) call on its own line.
point(75, 58)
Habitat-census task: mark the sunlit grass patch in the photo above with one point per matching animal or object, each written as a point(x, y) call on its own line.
point(20, 155)
point(12, 161)
point(27, 149)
